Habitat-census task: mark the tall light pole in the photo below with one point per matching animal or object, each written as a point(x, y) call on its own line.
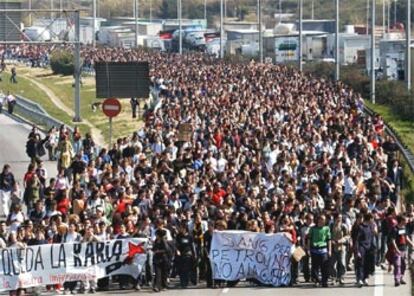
point(373, 52)
point(383, 17)
point(77, 69)
point(337, 65)
point(94, 23)
point(408, 46)
point(180, 27)
point(368, 17)
point(221, 29)
point(395, 12)
point(313, 9)
point(30, 14)
point(388, 15)
point(259, 8)
point(280, 11)
point(136, 15)
point(205, 10)
point(300, 35)
point(150, 11)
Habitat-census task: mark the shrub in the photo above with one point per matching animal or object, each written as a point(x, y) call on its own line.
point(62, 62)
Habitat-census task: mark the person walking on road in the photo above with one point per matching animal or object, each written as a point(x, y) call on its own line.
point(7, 183)
point(161, 260)
point(319, 246)
point(11, 102)
point(185, 254)
point(365, 250)
point(398, 248)
point(340, 236)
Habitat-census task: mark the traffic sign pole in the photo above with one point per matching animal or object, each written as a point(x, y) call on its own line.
point(110, 132)
point(111, 108)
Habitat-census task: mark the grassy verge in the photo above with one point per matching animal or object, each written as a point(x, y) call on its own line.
point(405, 129)
point(61, 86)
point(27, 89)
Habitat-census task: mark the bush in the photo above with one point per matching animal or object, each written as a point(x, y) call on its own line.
point(62, 62)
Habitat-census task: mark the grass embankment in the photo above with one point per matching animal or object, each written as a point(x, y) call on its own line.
point(62, 88)
point(27, 89)
point(405, 131)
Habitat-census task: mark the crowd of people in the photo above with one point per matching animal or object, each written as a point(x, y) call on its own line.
point(272, 150)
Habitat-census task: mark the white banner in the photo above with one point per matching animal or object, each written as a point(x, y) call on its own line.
point(58, 263)
point(237, 255)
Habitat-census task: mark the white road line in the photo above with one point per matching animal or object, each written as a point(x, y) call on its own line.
point(226, 290)
point(379, 283)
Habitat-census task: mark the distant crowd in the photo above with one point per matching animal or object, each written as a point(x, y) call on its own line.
point(271, 150)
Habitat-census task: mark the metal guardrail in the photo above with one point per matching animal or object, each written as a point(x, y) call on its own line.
point(35, 113)
point(405, 152)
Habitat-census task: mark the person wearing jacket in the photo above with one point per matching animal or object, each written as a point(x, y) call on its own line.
point(7, 183)
point(365, 250)
point(185, 254)
point(161, 260)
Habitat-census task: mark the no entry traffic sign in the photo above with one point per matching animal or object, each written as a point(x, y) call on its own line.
point(111, 107)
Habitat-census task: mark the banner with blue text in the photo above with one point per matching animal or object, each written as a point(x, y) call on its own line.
point(237, 255)
point(58, 263)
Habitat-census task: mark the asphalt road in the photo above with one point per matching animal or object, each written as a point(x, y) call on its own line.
point(13, 138)
point(380, 285)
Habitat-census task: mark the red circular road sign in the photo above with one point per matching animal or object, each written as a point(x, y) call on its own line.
point(111, 107)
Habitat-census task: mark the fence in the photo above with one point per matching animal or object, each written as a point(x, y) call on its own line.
point(35, 113)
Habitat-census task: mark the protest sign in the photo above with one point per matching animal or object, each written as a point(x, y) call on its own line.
point(57, 263)
point(237, 255)
point(185, 132)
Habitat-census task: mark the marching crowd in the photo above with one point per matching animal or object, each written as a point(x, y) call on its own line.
point(272, 150)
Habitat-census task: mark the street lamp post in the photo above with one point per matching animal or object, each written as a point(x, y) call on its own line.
point(300, 35)
point(373, 52)
point(259, 8)
point(136, 15)
point(221, 29)
point(337, 65)
point(180, 26)
point(408, 46)
point(94, 23)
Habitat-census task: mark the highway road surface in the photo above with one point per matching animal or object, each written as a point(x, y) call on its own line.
point(380, 285)
point(13, 138)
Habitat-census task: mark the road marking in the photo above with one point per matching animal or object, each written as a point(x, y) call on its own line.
point(226, 290)
point(379, 283)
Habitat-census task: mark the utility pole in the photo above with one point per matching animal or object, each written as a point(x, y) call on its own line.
point(221, 29)
point(388, 15)
point(77, 68)
point(280, 11)
point(136, 15)
point(395, 12)
point(337, 65)
point(150, 11)
point(313, 9)
point(94, 23)
point(30, 14)
point(180, 26)
point(383, 17)
point(205, 10)
point(373, 52)
point(367, 17)
point(300, 35)
point(259, 8)
point(408, 46)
